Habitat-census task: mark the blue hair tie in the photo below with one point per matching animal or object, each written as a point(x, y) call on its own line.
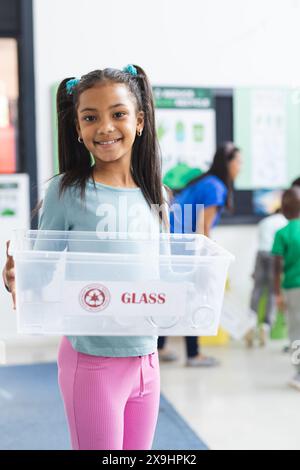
point(71, 84)
point(130, 69)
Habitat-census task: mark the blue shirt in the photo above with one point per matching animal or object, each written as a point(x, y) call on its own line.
point(208, 191)
point(70, 213)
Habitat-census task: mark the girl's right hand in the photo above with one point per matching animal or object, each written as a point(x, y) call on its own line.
point(8, 275)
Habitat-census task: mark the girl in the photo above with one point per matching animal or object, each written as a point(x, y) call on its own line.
point(107, 151)
point(213, 190)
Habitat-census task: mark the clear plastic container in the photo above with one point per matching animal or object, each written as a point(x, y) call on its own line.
point(91, 283)
point(237, 319)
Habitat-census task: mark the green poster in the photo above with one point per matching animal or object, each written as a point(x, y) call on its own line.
point(186, 129)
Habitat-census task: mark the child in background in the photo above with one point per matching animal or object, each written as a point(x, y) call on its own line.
point(264, 275)
point(286, 250)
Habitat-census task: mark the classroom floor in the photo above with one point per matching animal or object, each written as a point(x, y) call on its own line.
point(31, 408)
point(243, 404)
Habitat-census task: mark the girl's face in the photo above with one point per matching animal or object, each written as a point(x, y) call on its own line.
point(108, 121)
point(234, 166)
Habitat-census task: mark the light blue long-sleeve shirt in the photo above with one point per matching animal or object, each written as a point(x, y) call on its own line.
point(69, 213)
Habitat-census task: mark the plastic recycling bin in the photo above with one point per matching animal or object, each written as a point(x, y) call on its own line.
point(101, 283)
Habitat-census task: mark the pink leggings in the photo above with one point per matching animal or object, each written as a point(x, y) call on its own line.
point(111, 403)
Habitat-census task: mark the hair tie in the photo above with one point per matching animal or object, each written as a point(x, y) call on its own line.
point(130, 69)
point(70, 85)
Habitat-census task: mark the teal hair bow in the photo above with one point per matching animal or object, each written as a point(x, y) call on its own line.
point(130, 69)
point(71, 84)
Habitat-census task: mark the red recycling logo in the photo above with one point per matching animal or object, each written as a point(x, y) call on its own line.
point(94, 297)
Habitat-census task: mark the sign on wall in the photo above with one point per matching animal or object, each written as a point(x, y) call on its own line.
point(266, 128)
point(186, 128)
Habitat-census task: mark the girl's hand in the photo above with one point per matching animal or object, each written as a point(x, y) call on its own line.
point(8, 275)
point(280, 303)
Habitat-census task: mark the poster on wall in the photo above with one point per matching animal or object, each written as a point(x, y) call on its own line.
point(268, 138)
point(266, 123)
point(186, 128)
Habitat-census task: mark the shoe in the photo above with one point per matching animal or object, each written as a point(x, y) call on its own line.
point(295, 382)
point(167, 356)
point(262, 334)
point(249, 338)
point(204, 361)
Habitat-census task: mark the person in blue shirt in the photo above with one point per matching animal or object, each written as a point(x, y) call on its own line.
point(207, 195)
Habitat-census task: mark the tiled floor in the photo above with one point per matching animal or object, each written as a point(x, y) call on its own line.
point(243, 404)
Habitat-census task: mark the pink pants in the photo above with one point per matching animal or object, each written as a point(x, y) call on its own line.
point(111, 403)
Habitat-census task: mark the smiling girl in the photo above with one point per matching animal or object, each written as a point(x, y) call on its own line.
point(107, 151)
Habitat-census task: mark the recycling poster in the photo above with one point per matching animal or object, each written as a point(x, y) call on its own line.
point(186, 129)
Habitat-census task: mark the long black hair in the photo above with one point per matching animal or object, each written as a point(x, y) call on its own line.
point(225, 153)
point(75, 159)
